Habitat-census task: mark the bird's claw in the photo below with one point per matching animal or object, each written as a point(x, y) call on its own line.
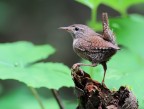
point(76, 68)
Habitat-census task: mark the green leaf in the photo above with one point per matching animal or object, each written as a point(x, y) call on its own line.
point(119, 5)
point(14, 64)
point(129, 32)
point(125, 69)
point(130, 65)
point(23, 99)
point(49, 75)
point(90, 3)
point(22, 53)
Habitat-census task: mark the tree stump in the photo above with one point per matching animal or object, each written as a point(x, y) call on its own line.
point(93, 95)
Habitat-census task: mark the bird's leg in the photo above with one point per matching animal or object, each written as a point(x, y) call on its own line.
point(77, 66)
point(81, 64)
point(105, 68)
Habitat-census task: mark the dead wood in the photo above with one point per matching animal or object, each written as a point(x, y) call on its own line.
point(93, 95)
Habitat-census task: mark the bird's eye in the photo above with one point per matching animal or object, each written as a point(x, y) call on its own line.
point(76, 28)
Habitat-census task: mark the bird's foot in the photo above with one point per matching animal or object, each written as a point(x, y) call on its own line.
point(75, 65)
point(82, 64)
point(76, 68)
point(78, 65)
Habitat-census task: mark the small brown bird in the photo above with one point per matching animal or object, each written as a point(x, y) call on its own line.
point(89, 45)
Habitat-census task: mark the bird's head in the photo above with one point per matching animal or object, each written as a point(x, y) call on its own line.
point(78, 30)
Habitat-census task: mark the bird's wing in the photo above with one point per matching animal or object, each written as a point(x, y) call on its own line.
point(108, 34)
point(95, 44)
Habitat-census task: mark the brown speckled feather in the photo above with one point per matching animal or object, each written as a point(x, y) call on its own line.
point(94, 48)
point(107, 32)
point(93, 43)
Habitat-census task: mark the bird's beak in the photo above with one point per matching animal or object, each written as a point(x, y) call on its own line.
point(65, 28)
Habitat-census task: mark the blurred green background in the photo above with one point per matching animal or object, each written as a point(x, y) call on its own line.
point(37, 21)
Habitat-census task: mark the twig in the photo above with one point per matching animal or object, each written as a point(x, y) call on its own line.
point(36, 95)
point(58, 99)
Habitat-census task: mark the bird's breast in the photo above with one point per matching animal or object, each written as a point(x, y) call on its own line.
point(79, 49)
point(78, 45)
point(75, 45)
point(75, 41)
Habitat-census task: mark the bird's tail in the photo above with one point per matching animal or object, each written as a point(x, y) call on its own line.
point(107, 32)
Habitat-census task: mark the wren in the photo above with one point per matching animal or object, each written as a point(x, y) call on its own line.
point(89, 45)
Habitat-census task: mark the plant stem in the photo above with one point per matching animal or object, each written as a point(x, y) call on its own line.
point(124, 13)
point(58, 99)
point(93, 21)
point(36, 95)
point(93, 15)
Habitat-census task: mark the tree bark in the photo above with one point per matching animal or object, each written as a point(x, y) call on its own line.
point(93, 95)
